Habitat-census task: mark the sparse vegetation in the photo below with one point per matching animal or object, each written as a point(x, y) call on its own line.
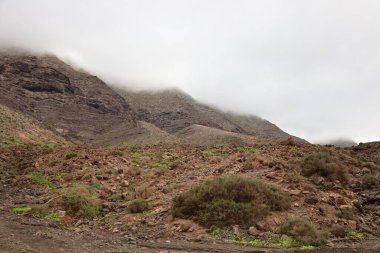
point(304, 231)
point(229, 200)
point(138, 206)
point(78, 203)
point(324, 164)
point(20, 210)
point(52, 216)
point(356, 236)
point(41, 179)
point(369, 181)
point(215, 232)
point(70, 156)
point(347, 213)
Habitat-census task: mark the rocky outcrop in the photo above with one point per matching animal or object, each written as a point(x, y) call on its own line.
point(68, 101)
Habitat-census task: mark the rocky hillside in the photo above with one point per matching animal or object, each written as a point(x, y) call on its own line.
point(16, 128)
point(82, 107)
point(173, 110)
point(68, 101)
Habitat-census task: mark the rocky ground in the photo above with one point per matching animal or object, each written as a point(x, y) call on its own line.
point(35, 179)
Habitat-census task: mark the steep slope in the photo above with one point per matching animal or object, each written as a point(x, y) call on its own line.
point(173, 110)
point(16, 128)
point(68, 101)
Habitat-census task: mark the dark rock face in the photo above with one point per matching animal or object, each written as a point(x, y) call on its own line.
point(68, 101)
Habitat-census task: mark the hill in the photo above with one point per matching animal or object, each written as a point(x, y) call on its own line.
point(173, 111)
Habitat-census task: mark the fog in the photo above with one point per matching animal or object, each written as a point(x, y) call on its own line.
point(310, 67)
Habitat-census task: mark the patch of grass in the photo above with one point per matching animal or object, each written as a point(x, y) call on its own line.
point(138, 206)
point(229, 200)
point(78, 203)
point(41, 179)
point(215, 232)
point(52, 216)
point(20, 210)
point(212, 152)
point(159, 165)
point(92, 188)
point(307, 247)
point(70, 156)
point(269, 243)
point(303, 230)
point(356, 236)
point(324, 164)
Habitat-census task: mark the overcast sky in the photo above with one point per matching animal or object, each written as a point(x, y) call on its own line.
point(310, 66)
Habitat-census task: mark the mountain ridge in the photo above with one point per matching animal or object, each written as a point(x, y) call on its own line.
point(80, 106)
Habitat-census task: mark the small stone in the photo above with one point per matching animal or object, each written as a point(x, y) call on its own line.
point(296, 205)
point(295, 192)
point(253, 231)
point(286, 238)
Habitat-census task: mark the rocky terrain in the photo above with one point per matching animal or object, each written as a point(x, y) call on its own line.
point(83, 172)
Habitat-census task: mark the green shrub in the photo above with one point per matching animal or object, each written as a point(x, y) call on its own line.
point(20, 210)
point(39, 178)
point(324, 164)
point(215, 232)
point(78, 203)
point(229, 200)
point(303, 231)
point(356, 236)
point(52, 216)
point(138, 206)
point(70, 155)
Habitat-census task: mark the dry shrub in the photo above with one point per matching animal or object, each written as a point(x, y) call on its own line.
point(77, 202)
point(138, 206)
point(324, 164)
point(229, 200)
point(303, 231)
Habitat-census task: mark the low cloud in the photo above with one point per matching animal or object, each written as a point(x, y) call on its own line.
point(311, 67)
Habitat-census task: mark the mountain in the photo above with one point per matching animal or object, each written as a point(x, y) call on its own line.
point(173, 111)
point(81, 107)
point(68, 101)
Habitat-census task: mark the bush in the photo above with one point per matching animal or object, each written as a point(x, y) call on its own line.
point(78, 203)
point(70, 155)
point(138, 206)
point(369, 181)
point(303, 231)
point(324, 164)
point(229, 200)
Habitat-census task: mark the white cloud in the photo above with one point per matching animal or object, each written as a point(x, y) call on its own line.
point(309, 66)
